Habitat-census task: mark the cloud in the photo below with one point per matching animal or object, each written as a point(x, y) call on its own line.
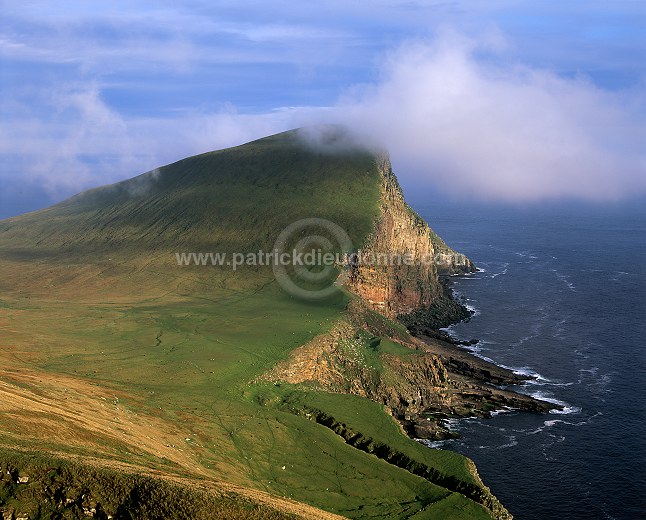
point(84, 143)
point(72, 146)
point(456, 113)
point(454, 116)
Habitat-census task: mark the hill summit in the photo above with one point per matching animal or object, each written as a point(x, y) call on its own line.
point(238, 201)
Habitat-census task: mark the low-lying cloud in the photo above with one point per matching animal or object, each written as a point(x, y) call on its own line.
point(455, 114)
point(461, 121)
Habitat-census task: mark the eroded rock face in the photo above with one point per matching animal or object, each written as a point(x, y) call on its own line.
point(397, 269)
point(339, 361)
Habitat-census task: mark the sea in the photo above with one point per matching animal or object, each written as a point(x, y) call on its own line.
point(560, 295)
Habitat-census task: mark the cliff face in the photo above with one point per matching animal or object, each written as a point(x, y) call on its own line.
point(397, 269)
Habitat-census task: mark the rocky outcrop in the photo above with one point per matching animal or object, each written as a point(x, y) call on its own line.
point(420, 385)
point(398, 274)
point(349, 359)
point(397, 270)
point(442, 312)
point(448, 261)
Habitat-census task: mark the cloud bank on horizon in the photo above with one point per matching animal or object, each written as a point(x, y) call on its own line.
point(93, 95)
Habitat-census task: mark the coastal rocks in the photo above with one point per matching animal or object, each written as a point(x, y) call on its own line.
point(461, 362)
point(413, 382)
point(422, 385)
point(444, 311)
point(433, 429)
point(450, 262)
point(344, 360)
point(348, 360)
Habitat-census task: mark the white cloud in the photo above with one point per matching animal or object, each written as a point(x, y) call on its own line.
point(84, 143)
point(501, 132)
point(452, 116)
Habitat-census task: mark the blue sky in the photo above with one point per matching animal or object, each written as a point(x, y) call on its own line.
point(500, 100)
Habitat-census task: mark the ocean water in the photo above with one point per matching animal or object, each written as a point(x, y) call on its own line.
point(562, 296)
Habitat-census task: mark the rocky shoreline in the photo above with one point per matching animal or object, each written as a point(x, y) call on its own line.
point(437, 381)
point(478, 388)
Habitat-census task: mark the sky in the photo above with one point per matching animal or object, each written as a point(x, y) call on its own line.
point(506, 102)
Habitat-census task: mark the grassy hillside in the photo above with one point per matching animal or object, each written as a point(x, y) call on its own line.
point(116, 356)
point(234, 200)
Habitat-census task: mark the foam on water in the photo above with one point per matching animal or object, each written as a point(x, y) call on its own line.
point(567, 408)
point(536, 378)
point(528, 372)
point(563, 278)
point(436, 445)
point(501, 273)
point(500, 411)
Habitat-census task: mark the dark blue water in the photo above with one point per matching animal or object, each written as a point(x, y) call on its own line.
point(562, 295)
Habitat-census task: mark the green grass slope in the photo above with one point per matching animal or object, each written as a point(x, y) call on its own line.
point(233, 200)
point(114, 354)
point(237, 199)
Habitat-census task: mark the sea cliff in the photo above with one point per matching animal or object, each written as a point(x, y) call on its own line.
point(394, 288)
